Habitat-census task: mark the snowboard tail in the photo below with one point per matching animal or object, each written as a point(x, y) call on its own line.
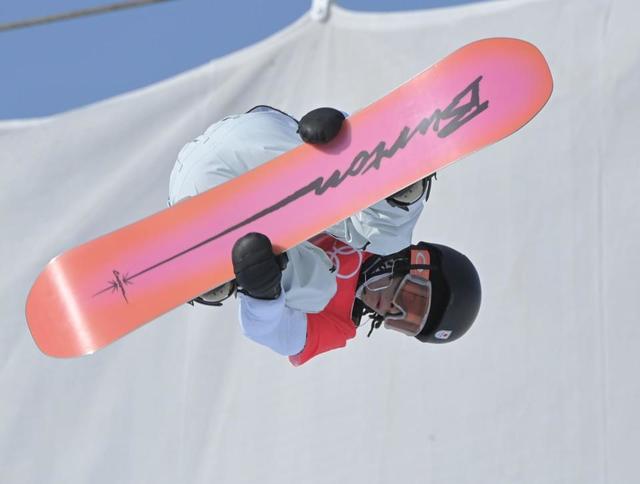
point(95, 293)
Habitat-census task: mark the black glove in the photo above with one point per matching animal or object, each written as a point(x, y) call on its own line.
point(320, 125)
point(258, 270)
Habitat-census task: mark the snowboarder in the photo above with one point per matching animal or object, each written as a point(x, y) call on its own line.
point(312, 298)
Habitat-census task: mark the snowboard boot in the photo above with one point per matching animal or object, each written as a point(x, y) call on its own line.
point(412, 194)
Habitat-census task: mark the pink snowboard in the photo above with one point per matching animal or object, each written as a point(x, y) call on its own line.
point(93, 294)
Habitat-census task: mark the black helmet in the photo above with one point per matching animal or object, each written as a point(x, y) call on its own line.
point(456, 295)
point(455, 291)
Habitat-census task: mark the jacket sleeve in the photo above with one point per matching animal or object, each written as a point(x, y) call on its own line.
point(273, 324)
point(308, 285)
point(290, 332)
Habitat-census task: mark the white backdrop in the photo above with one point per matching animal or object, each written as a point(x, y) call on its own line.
point(543, 389)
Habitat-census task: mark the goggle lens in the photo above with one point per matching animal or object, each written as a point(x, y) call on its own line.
point(413, 301)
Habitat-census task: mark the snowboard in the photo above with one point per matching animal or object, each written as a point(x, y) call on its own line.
point(93, 294)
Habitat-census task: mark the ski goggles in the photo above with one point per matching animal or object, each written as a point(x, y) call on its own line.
point(411, 301)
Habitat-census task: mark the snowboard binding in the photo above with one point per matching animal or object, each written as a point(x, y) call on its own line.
point(412, 194)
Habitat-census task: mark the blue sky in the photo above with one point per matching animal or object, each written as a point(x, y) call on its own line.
point(52, 68)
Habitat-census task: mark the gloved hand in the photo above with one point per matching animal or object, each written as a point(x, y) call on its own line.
point(320, 125)
point(258, 270)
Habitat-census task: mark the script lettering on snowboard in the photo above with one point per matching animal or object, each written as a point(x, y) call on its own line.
point(464, 107)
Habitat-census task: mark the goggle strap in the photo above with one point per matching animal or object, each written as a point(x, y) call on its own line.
point(420, 262)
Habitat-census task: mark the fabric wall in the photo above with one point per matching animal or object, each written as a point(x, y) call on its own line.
point(543, 389)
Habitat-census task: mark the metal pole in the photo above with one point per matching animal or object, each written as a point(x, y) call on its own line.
point(77, 13)
point(320, 10)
